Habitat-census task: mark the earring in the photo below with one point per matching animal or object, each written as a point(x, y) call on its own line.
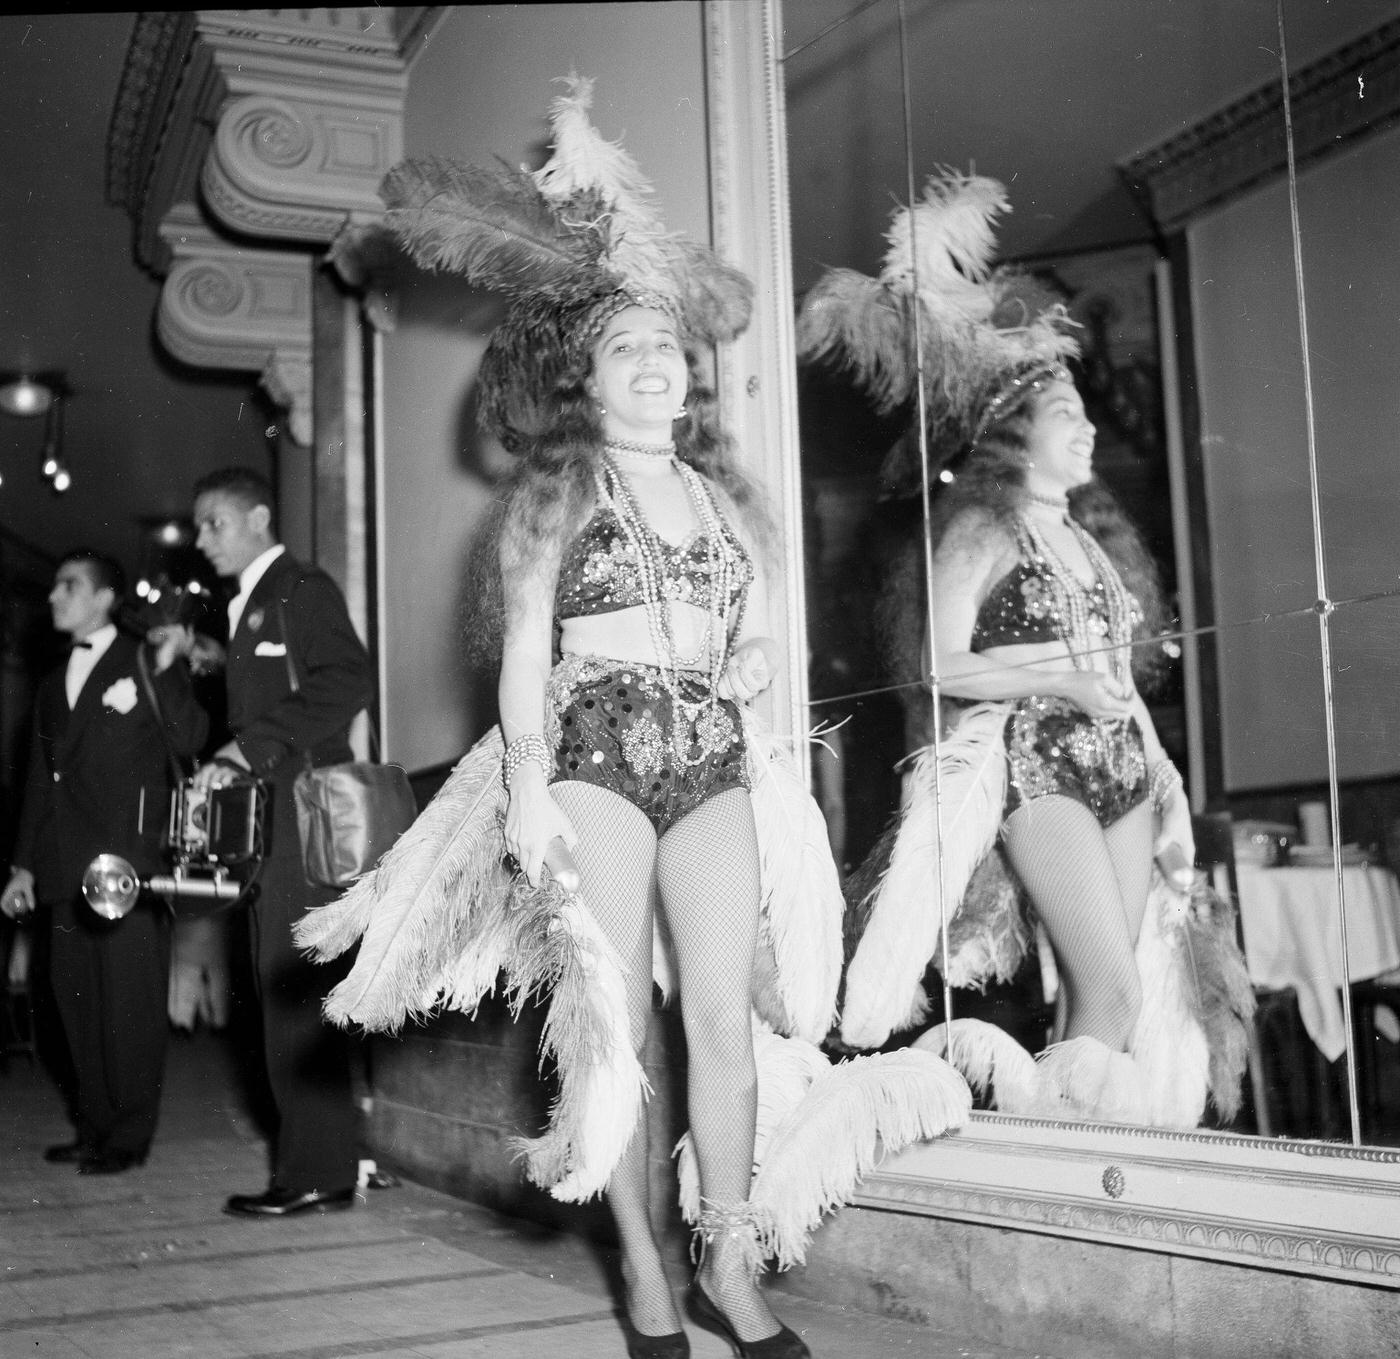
point(680, 414)
point(602, 409)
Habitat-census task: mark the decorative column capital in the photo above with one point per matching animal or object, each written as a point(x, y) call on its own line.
point(299, 168)
point(313, 117)
point(285, 119)
point(227, 306)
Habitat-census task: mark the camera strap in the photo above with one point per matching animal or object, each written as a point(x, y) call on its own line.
point(294, 686)
point(146, 683)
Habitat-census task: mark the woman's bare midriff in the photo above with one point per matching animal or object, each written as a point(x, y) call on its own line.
point(625, 635)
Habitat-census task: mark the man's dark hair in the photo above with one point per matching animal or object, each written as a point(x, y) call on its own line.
point(243, 484)
point(105, 572)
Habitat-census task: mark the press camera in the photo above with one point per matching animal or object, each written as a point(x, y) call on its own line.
point(213, 839)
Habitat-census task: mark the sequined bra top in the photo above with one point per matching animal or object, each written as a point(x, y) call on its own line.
point(599, 572)
point(1025, 605)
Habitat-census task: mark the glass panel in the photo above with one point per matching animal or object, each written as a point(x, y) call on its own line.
point(1212, 465)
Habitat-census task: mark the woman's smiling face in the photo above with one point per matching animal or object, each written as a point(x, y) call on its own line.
point(1060, 442)
point(639, 375)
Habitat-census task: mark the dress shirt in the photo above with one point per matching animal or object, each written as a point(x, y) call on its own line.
point(248, 577)
point(82, 659)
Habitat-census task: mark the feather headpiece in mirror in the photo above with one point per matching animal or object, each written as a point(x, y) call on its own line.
point(980, 325)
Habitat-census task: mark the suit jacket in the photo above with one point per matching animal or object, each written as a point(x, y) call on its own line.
point(295, 621)
point(87, 767)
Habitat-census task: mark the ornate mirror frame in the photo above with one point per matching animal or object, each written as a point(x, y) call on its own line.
point(1310, 1207)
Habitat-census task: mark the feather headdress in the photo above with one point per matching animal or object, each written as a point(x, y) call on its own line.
point(568, 245)
point(981, 327)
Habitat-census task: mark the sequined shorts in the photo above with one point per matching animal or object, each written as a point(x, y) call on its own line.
point(1052, 746)
point(614, 725)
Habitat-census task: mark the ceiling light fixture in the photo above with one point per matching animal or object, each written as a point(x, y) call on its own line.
point(26, 394)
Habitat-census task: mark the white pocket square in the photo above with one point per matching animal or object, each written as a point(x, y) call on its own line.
point(121, 696)
point(270, 649)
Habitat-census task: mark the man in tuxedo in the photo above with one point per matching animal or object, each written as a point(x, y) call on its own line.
point(297, 675)
point(97, 742)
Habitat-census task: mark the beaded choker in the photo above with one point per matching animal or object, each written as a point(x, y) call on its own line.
point(632, 448)
point(1060, 503)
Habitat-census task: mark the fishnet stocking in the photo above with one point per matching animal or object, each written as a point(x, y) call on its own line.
point(1089, 886)
point(705, 869)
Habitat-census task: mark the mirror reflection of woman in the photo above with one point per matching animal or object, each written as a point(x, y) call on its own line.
point(1027, 607)
point(1049, 784)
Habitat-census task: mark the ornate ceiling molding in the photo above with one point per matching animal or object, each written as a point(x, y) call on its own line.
point(285, 119)
point(228, 306)
point(1352, 93)
point(273, 125)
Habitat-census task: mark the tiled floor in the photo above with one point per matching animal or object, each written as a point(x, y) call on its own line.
point(144, 1265)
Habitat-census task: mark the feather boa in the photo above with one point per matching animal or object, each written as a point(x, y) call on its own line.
point(883, 992)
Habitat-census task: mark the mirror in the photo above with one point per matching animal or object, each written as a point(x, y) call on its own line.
point(1252, 476)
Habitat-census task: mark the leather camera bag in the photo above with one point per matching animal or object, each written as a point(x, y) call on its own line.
point(348, 815)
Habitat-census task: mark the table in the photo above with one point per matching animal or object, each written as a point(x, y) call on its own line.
point(1289, 917)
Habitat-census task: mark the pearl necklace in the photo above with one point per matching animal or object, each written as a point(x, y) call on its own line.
point(1074, 600)
point(721, 562)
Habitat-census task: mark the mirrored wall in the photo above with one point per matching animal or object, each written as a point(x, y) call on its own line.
point(1225, 243)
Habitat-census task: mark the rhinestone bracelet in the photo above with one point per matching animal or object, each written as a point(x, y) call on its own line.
point(1163, 779)
point(531, 746)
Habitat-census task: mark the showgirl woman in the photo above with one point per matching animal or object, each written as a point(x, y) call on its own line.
point(626, 531)
point(1039, 614)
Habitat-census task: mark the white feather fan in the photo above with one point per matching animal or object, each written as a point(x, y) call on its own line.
point(802, 903)
point(600, 1098)
point(904, 929)
point(850, 1118)
point(1169, 1044)
point(786, 1069)
point(991, 1059)
point(414, 912)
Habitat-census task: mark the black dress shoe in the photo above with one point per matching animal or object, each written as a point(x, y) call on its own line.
point(284, 1202)
point(67, 1153)
point(111, 1162)
point(787, 1344)
point(672, 1345)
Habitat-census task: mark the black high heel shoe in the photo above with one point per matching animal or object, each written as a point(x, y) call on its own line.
point(787, 1344)
point(672, 1345)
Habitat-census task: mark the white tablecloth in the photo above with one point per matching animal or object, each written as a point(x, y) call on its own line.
point(1291, 937)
